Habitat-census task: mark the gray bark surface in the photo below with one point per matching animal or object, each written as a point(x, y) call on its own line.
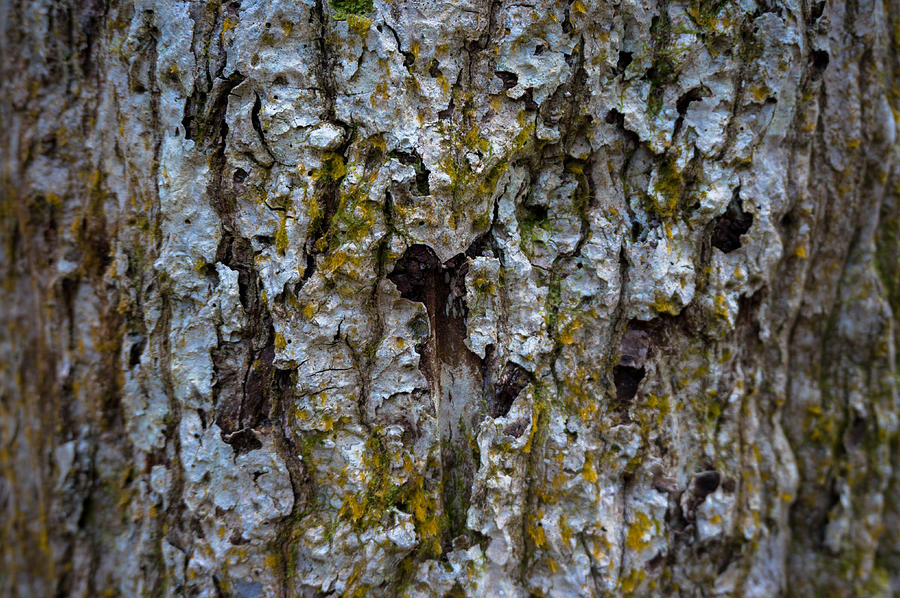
point(425, 298)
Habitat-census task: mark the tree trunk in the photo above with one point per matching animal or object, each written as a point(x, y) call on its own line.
point(484, 298)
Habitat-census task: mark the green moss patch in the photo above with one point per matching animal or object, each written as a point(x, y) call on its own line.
point(345, 8)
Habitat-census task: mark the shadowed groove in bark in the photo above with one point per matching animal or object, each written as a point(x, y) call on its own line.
point(731, 225)
point(770, 373)
point(419, 276)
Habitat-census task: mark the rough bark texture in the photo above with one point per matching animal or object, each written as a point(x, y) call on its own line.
point(413, 297)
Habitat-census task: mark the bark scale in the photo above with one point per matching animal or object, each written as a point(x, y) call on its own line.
point(424, 298)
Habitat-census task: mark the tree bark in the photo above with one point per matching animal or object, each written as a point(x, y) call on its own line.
point(484, 298)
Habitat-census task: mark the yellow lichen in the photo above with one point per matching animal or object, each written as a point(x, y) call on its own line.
point(281, 236)
point(358, 24)
point(638, 535)
point(589, 473)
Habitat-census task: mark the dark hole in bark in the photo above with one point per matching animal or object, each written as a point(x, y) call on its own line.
point(509, 79)
point(816, 10)
point(656, 563)
point(242, 441)
point(254, 116)
point(539, 49)
point(415, 160)
point(820, 60)
point(766, 6)
point(98, 250)
point(68, 289)
point(480, 245)
point(308, 271)
point(413, 272)
point(567, 24)
point(636, 230)
point(855, 433)
point(748, 311)
point(528, 97)
point(694, 95)
point(434, 69)
point(625, 59)
point(240, 175)
point(535, 212)
point(704, 484)
point(614, 117)
point(512, 380)
point(633, 351)
point(420, 276)
point(731, 225)
point(134, 353)
point(627, 379)
point(446, 112)
point(255, 409)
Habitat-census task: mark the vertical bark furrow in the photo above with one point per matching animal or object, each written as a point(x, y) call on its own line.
point(463, 298)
